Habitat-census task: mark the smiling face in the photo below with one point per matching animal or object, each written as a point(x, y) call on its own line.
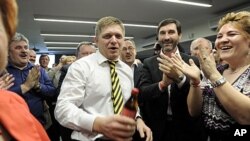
point(19, 53)
point(32, 56)
point(168, 37)
point(110, 40)
point(44, 61)
point(232, 43)
point(128, 53)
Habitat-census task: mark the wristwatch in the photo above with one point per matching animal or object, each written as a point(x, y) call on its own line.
point(219, 82)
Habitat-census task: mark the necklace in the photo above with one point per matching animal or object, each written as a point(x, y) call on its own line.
point(237, 70)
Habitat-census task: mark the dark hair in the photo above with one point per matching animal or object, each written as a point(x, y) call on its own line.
point(169, 21)
point(42, 56)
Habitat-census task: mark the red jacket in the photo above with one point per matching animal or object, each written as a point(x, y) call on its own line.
point(16, 118)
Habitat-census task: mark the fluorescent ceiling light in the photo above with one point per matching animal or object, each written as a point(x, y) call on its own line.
point(140, 25)
point(66, 43)
point(74, 35)
point(88, 22)
point(189, 3)
point(67, 35)
point(63, 21)
point(61, 48)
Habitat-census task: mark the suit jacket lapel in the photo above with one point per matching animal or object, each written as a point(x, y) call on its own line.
point(137, 74)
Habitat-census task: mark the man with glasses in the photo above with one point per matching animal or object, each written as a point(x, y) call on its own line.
point(128, 55)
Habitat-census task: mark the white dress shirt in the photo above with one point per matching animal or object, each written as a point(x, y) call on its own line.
point(86, 94)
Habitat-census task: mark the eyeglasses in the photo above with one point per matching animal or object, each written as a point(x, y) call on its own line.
point(128, 49)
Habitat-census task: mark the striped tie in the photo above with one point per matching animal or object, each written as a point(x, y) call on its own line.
point(116, 89)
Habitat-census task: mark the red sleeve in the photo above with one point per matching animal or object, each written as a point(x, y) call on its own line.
point(16, 118)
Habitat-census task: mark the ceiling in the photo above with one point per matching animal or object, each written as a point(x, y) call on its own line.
point(146, 12)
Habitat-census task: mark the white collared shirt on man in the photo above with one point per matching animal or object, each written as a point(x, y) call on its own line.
point(86, 94)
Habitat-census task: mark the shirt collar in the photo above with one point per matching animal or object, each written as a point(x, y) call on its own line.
point(102, 59)
point(135, 63)
point(177, 52)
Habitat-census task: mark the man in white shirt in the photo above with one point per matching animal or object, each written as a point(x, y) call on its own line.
point(84, 103)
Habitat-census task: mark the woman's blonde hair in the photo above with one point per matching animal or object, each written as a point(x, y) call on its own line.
point(68, 59)
point(240, 20)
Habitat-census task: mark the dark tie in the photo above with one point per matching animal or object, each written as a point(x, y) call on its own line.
point(116, 89)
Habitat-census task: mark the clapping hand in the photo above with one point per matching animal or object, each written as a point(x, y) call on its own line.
point(166, 65)
point(33, 77)
point(191, 71)
point(6, 81)
point(207, 61)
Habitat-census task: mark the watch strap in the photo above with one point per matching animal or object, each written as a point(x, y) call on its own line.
point(219, 82)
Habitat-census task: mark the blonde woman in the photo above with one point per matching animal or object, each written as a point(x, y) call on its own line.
point(224, 102)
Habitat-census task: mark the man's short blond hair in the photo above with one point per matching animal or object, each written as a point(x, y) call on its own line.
point(107, 21)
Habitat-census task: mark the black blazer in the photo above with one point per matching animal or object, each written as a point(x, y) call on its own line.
point(137, 75)
point(154, 103)
point(64, 71)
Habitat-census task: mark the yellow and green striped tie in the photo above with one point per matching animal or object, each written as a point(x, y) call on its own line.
point(116, 89)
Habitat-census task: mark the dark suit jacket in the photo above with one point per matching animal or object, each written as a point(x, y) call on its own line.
point(137, 79)
point(154, 103)
point(65, 132)
point(137, 75)
point(64, 71)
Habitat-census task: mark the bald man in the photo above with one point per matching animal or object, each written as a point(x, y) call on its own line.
point(194, 46)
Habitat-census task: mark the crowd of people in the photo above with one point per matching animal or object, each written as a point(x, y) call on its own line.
point(199, 97)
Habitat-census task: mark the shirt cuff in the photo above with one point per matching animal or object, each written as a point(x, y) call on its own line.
point(180, 84)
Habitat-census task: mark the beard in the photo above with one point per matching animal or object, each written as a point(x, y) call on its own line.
point(168, 46)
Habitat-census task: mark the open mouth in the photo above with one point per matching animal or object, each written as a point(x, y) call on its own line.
point(128, 56)
point(225, 48)
point(113, 48)
point(23, 55)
